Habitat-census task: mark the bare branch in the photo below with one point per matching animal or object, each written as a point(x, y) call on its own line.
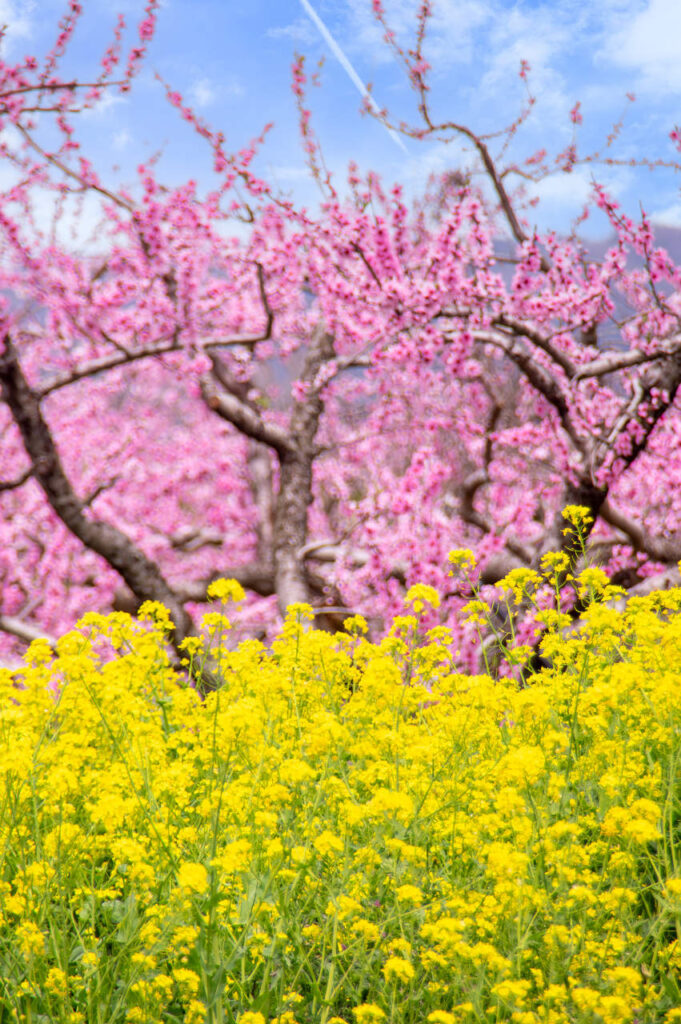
point(614, 361)
point(295, 475)
point(24, 630)
point(246, 417)
point(499, 565)
point(57, 87)
point(540, 379)
point(653, 393)
point(95, 366)
point(469, 489)
point(105, 486)
point(251, 340)
point(12, 485)
point(523, 330)
point(50, 158)
point(658, 549)
point(191, 539)
point(360, 252)
point(517, 552)
point(661, 581)
point(329, 551)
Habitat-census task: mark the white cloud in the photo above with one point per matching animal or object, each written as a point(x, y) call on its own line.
point(202, 93)
point(76, 223)
point(107, 101)
point(347, 66)
point(289, 172)
point(300, 31)
point(17, 18)
point(669, 217)
point(648, 42)
point(450, 38)
point(121, 139)
point(564, 190)
point(436, 159)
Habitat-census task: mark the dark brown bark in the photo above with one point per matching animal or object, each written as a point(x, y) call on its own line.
point(256, 576)
point(142, 576)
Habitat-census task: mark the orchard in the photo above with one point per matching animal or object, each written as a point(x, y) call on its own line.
point(453, 378)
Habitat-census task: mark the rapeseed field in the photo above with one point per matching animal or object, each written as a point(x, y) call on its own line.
point(346, 831)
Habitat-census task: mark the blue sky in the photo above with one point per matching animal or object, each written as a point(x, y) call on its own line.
point(232, 59)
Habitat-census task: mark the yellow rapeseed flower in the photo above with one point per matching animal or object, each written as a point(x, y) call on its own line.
point(512, 991)
point(30, 939)
point(447, 810)
point(397, 969)
point(368, 1013)
point(578, 515)
point(225, 590)
point(187, 982)
point(420, 595)
point(409, 894)
point(192, 877)
point(57, 983)
point(154, 611)
point(521, 582)
point(355, 624)
point(462, 558)
point(327, 844)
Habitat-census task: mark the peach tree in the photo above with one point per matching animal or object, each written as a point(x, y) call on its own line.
point(320, 404)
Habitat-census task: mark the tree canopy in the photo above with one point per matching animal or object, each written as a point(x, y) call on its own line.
point(320, 405)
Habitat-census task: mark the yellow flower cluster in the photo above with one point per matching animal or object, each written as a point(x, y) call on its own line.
point(344, 831)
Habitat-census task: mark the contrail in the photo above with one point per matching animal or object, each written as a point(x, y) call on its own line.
point(348, 68)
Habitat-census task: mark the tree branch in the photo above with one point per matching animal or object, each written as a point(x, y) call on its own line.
point(537, 376)
point(12, 485)
point(654, 392)
point(117, 200)
point(191, 539)
point(523, 330)
point(614, 361)
point(251, 340)
point(95, 366)
point(24, 630)
point(256, 576)
point(142, 575)
point(660, 549)
point(245, 416)
point(661, 581)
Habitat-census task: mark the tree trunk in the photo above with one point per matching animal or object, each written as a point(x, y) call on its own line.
point(295, 481)
point(142, 575)
point(290, 531)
